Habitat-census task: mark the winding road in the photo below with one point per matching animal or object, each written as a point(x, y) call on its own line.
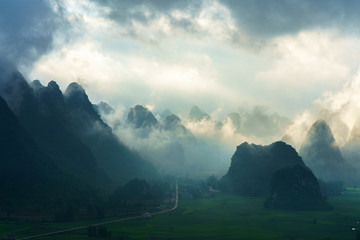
point(108, 222)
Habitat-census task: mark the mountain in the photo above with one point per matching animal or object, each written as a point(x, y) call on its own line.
point(197, 115)
point(296, 188)
point(141, 117)
point(50, 128)
point(173, 124)
point(119, 162)
point(252, 167)
point(28, 177)
point(322, 155)
point(351, 150)
point(103, 108)
point(42, 111)
point(68, 129)
point(165, 113)
point(36, 85)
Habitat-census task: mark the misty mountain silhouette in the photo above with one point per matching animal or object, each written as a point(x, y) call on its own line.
point(257, 122)
point(173, 123)
point(141, 117)
point(351, 150)
point(70, 131)
point(114, 157)
point(296, 188)
point(36, 85)
point(197, 115)
point(252, 167)
point(321, 153)
point(165, 113)
point(168, 144)
point(103, 108)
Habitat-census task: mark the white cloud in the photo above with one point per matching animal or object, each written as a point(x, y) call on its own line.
point(302, 67)
point(131, 77)
point(313, 57)
point(182, 58)
point(341, 109)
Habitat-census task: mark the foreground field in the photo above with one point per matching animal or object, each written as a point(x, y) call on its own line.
point(232, 217)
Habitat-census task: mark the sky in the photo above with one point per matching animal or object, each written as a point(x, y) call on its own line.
point(299, 58)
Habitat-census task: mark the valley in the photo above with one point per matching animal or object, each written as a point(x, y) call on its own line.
point(223, 217)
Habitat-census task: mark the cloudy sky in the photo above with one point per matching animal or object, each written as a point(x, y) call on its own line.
point(218, 54)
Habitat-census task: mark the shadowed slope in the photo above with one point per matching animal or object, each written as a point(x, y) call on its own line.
point(252, 167)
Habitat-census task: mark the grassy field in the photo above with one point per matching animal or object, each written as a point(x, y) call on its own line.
point(232, 217)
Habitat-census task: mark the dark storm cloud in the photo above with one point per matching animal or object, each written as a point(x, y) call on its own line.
point(26, 29)
point(127, 10)
point(258, 18)
point(271, 18)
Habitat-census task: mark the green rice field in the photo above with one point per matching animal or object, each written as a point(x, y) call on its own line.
point(225, 217)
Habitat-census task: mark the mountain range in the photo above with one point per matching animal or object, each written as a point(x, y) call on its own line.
point(56, 138)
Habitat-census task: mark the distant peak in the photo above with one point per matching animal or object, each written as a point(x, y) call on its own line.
point(75, 90)
point(140, 108)
point(171, 122)
point(76, 96)
point(140, 116)
point(74, 86)
point(165, 113)
point(53, 84)
point(320, 131)
point(173, 118)
point(105, 108)
point(244, 145)
point(195, 108)
point(197, 115)
point(36, 85)
point(321, 123)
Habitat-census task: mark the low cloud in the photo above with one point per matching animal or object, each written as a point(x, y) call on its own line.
point(173, 152)
point(339, 108)
point(253, 124)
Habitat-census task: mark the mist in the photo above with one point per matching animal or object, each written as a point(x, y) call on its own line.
point(340, 109)
point(192, 145)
